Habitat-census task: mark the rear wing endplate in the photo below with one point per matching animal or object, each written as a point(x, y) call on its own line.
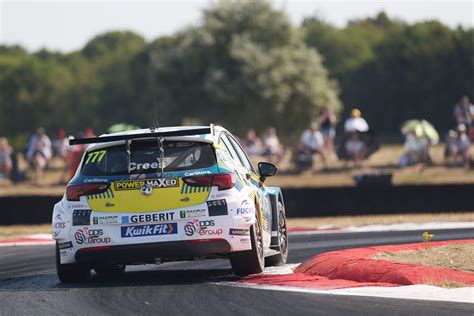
point(113, 138)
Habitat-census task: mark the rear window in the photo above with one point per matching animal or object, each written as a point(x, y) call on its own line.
point(145, 158)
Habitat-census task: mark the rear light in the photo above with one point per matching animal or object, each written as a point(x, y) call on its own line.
point(75, 191)
point(221, 181)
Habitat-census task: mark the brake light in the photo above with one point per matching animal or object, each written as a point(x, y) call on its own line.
point(221, 181)
point(75, 191)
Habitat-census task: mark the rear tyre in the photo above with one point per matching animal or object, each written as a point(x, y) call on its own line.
point(111, 270)
point(71, 273)
point(250, 261)
point(280, 259)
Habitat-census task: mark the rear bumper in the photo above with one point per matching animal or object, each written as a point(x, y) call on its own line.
point(150, 251)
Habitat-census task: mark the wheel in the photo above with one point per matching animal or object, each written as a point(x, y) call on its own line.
point(280, 259)
point(250, 261)
point(70, 273)
point(110, 270)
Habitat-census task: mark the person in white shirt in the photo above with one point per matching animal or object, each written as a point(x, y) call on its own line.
point(273, 150)
point(356, 123)
point(459, 146)
point(312, 141)
point(39, 153)
point(355, 148)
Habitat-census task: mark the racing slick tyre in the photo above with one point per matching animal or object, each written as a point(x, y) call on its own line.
point(70, 273)
point(110, 270)
point(250, 261)
point(280, 259)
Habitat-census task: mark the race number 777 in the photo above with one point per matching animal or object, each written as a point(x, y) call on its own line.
point(96, 155)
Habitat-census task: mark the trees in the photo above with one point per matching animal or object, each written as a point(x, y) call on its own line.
point(245, 66)
point(394, 71)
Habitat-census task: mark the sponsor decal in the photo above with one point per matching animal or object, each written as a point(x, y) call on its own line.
point(104, 220)
point(244, 240)
point(95, 180)
point(153, 183)
point(239, 232)
point(245, 210)
point(58, 222)
point(149, 230)
point(202, 228)
point(192, 213)
point(86, 236)
point(148, 218)
point(65, 245)
point(144, 165)
point(220, 195)
point(74, 206)
point(81, 217)
point(217, 207)
point(196, 173)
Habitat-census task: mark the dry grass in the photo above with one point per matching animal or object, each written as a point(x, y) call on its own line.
point(18, 231)
point(453, 285)
point(314, 222)
point(338, 173)
point(456, 256)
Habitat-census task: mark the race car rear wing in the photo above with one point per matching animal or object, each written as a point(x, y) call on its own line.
point(152, 134)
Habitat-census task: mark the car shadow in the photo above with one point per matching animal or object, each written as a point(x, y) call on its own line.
point(50, 282)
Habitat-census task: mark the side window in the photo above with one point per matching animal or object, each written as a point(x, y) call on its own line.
point(230, 148)
point(243, 157)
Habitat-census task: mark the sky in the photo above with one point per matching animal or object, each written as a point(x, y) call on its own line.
point(67, 25)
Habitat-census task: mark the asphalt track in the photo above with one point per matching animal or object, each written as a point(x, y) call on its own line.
point(28, 285)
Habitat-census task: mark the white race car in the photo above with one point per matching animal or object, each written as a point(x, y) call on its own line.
point(157, 195)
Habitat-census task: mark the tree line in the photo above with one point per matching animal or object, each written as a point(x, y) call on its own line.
point(245, 65)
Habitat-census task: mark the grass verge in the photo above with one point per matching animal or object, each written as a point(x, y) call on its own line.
point(457, 256)
point(338, 221)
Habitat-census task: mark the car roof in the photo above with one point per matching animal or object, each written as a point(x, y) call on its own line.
point(208, 138)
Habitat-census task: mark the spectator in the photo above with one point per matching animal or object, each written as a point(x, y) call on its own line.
point(414, 150)
point(327, 121)
point(355, 148)
point(5, 158)
point(312, 142)
point(273, 150)
point(61, 150)
point(464, 112)
point(61, 144)
point(252, 143)
point(39, 153)
point(458, 145)
point(356, 123)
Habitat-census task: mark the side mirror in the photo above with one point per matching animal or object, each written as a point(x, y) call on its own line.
point(266, 169)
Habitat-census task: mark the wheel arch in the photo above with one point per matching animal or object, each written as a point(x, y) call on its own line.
point(275, 196)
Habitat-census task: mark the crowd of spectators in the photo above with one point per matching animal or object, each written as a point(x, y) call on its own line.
point(269, 146)
point(358, 141)
point(316, 140)
point(37, 155)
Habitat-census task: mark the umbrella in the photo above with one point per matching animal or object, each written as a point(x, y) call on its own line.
point(421, 128)
point(121, 127)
